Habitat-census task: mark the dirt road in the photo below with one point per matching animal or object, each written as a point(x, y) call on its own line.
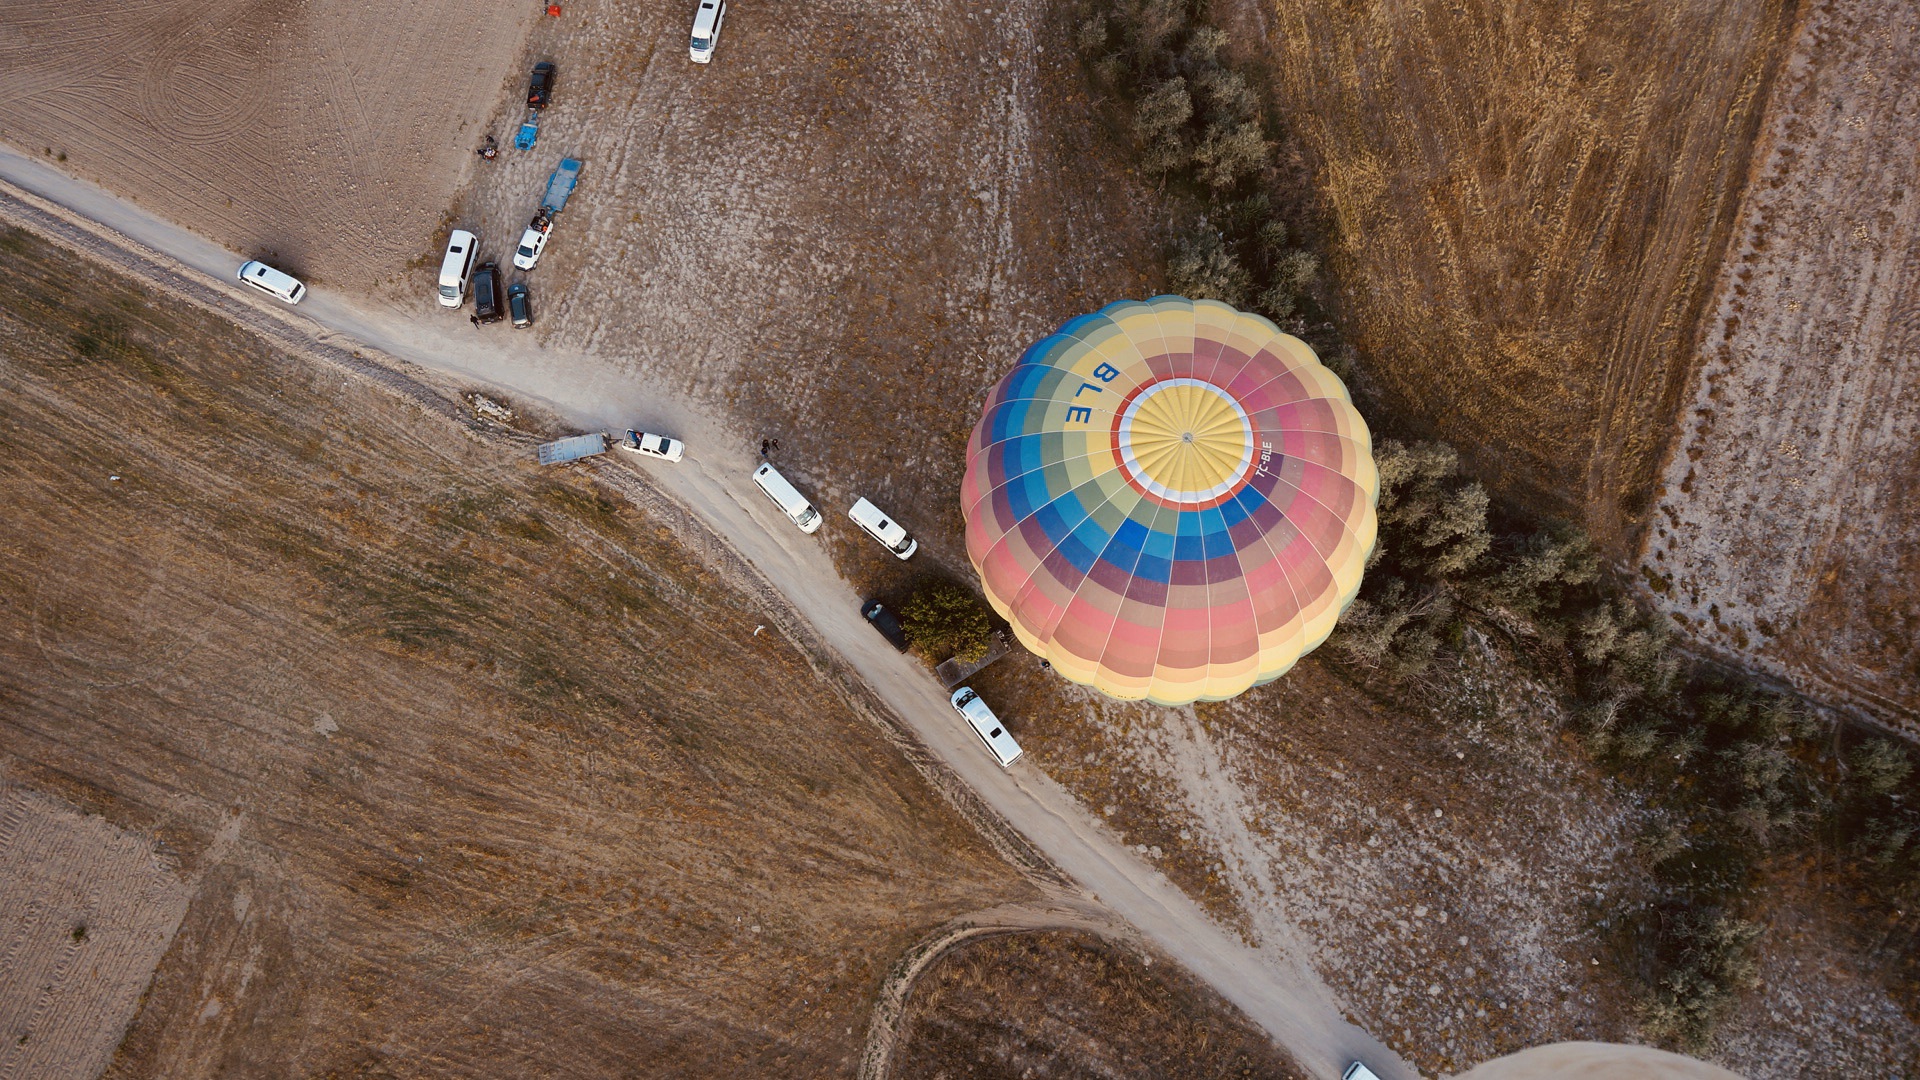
point(1273, 984)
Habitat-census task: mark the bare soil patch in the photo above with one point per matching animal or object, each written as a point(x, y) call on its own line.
point(509, 785)
point(1525, 205)
point(1787, 515)
point(1448, 859)
point(1065, 1004)
point(838, 235)
point(86, 911)
point(326, 136)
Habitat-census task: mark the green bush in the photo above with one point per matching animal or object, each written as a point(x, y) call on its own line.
point(1201, 268)
point(1432, 522)
point(943, 619)
point(1536, 577)
point(1229, 153)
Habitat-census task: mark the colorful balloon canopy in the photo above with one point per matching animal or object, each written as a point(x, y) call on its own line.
point(1170, 500)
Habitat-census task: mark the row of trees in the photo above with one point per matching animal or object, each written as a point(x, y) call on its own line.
point(1200, 127)
point(1740, 774)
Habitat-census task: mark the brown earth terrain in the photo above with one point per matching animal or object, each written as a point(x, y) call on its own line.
point(1525, 207)
point(1788, 516)
point(86, 910)
point(1449, 859)
point(469, 771)
point(839, 234)
point(1012, 1006)
point(326, 136)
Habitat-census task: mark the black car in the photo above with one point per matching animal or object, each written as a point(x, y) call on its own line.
point(486, 293)
point(519, 305)
point(540, 87)
point(884, 621)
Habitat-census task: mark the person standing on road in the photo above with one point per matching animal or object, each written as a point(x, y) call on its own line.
point(763, 447)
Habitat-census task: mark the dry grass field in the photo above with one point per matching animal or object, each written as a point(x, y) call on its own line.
point(326, 136)
point(1013, 1006)
point(1526, 204)
point(472, 773)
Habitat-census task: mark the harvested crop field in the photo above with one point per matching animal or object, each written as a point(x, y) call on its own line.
point(1525, 207)
point(473, 772)
point(1012, 1006)
point(1788, 516)
point(326, 136)
point(86, 910)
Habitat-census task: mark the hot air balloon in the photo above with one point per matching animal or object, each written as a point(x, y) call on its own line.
point(1170, 499)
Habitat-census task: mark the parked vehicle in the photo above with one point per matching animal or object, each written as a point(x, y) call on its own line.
point(486, 293)
point(877, 525)
point(1357, 1071)
point(655, 446)
point(532, 243)
point(559, 188)
point(787, 498)
point(986, 725)
point(572, 448)
point(519, 305)
point(540, 86)
point(886, 622)
point(456, 268)
point(706, 30)
point(280, 286)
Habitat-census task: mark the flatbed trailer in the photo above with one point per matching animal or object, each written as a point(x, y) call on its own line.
point(560, 186)
point(561, 451)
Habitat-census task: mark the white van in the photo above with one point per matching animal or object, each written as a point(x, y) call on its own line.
point(1357, 1071)
point(787, 498)
point(986, 725)
point(272, 282)
point(457, 268)
point(706, 29)
point(890, 534)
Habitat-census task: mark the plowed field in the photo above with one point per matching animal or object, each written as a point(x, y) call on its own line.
point(1527, 203)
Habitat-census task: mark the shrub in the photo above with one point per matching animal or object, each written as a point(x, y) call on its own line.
point(943, 619)
point(1092, 35)
point(1203, 48)
point(1159, 124)
point(1879, 768)
point(1147, 29)
point(1201, 268)
point(1713, 963)
point(1430, 521)
point(1230, 152)
point(1163, 111)
point(1290, 275)
point(1396, 630)
point(1226, 94)
point(1536, 578)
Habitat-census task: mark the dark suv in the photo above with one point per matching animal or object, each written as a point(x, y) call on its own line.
point(540, 87)
point(486, 293)
point(885, 622)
